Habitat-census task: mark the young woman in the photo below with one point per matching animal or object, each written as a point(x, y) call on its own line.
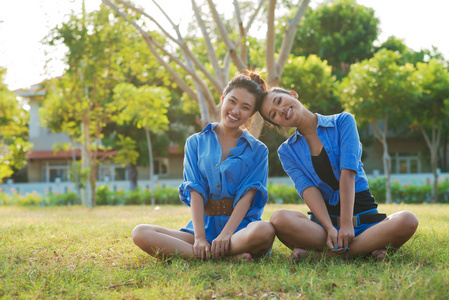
point(323, 159)
point(225, 177)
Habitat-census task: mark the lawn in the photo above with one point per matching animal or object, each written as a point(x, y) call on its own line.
point(77, 252)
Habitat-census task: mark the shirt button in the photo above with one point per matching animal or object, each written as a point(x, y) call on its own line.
point(328, 152)
point(219, 223)
point(217, 165)
point(231, 155)
point(218, 185)
point(334, 168)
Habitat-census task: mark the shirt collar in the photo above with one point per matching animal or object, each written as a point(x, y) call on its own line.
point(245, 135)
point(209, 127)
point(323, 121)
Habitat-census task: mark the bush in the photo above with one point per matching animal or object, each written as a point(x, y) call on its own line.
point(54, 199)
point(283, 194)
point(277, 193)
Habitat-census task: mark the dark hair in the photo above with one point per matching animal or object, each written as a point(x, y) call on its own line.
point(250, 81)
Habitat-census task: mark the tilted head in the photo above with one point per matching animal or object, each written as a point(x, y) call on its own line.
point(280, 107)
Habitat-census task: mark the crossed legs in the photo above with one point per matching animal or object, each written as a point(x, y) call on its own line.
point(297, 232)
point(253, 241)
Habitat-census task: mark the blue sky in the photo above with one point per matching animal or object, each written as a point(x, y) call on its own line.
point(26, 22)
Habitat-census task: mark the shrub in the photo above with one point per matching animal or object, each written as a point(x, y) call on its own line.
point(281, 193)
point(54, 199)
point(166, 195)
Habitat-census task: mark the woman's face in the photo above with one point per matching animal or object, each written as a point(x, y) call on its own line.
point(281, 108)
point(237, 107)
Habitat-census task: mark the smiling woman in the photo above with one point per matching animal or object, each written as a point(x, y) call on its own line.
point(323, 159)
point(225, 184)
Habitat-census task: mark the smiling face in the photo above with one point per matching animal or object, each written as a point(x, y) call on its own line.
point(282, 109)
point(237, 107)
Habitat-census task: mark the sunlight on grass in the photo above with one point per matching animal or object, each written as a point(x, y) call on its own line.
point(77, 252)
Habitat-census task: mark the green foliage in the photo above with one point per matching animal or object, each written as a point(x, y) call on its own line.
point(145, 106)
point(163, 195)
point(312, 79)
point(60, 199)
point(277, 193)
point(13, 132)
point(409, 55)
point(126, 151)
point(432, 109)
point(283, 194)
point(380, 88)
point(341, 32)
point(409, 193)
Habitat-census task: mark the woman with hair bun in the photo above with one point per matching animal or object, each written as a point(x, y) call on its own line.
point(225, 179)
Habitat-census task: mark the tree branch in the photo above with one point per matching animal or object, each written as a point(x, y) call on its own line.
point(180, 42)
point(243, 47)
point(210, 48)
point(270, 48)
point(377, 132)
point(289, 37)
point(224, 35)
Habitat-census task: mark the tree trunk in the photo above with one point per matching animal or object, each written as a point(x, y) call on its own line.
point(387, 170)
point(433, 148)
point(77, 178)
point(433, 163)
point(86, 195)
point(381, 136)
point(93, 181)
point(444, 155)
point(150, 153)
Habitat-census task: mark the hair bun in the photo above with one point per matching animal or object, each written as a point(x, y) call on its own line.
point(256, 78)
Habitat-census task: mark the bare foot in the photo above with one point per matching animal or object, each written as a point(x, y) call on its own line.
point(298, 254)
point(245, 257)
point(379, 254)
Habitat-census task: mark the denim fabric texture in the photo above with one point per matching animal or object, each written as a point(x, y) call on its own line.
point(244, 169)
point(339, 136)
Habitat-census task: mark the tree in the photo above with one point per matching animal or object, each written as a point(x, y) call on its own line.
point(94, 43)
point(13, 132)
point(380, 91)
point(218, 73)
point(312, 79)
point(341, 32)
point(146, 107)
point(432, 110)
point(409, 55)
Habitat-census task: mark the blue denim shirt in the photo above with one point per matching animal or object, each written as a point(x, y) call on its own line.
point(339, 136)
point(245, 168)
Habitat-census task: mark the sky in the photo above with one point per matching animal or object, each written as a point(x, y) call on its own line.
point(25, 23)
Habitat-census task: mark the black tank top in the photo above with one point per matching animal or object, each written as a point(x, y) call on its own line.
point(322, 165)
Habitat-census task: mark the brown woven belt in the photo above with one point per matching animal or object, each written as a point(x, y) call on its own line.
point(222, 207)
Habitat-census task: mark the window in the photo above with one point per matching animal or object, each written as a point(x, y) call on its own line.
point(111, 173)
point(405, 163)
point(161, 166)
point(56, 171)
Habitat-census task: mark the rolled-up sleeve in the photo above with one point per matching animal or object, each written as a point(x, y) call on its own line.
point(193, 180)
point(300, 180)
point(350, 146)
point(257, 180)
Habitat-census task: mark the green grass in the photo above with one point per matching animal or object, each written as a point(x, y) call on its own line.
point(77, 252)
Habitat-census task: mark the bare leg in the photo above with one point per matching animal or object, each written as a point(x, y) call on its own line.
point(253, 241)
point(394, 231)
point(162, 242)
point(299, 233)
point(295, 230)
